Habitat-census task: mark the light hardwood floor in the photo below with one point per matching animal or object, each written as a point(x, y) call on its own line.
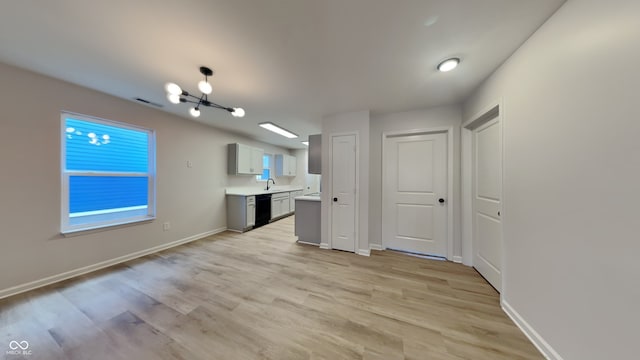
point(259, 295)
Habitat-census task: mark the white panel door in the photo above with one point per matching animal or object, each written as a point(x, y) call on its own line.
point(487, 191)
point(415, 194)
point(343, 187)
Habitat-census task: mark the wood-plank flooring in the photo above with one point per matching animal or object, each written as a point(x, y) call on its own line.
point(259, 295)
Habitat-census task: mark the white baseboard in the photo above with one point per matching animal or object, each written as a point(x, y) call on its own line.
point(101, 265)
point(537, 340)
point(364, 252)
point(457, 259)
point(324, 246)
point(375, 247)
point(307, 243)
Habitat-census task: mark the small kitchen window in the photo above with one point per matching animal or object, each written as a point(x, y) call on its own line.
point(108, 173)
point(267, 166)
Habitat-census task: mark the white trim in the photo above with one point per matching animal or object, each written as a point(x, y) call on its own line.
point(450, 166)
point(356, 198)
point(530, 333)
point(105, 225)
point(307, 243)
point(105, 173)
point(466, 181)
point(101, 265)
point(376, 247)
point(364, 252)
point(457, 259)
point(107, 211)
point(324, 246)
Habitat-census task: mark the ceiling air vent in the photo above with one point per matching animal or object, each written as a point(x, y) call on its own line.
point(147, 102)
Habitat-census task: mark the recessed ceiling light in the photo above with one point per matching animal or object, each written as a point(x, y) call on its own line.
point(278, 130)
point(448, 64)
point(305, 143)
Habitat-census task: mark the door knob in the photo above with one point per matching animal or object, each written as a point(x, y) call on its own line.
point(335, 199)
point(441, 201)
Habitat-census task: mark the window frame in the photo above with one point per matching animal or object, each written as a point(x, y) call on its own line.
point(102, 217)
point(271, 167)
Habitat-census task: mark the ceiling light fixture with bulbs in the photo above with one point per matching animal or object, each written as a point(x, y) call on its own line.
point(176, 95)
point(449, 64)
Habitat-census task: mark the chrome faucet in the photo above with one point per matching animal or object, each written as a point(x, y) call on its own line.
point(270, 179)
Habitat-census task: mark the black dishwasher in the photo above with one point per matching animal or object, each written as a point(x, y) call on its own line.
point(263, 209)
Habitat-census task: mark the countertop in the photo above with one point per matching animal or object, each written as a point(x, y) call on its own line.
point(249, 191)
point(308, 198)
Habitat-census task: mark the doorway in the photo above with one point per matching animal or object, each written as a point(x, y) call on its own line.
point(482, 195)
point(344, 172)
point(416, 192)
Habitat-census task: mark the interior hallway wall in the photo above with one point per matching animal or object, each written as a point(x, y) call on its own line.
point(572, 177)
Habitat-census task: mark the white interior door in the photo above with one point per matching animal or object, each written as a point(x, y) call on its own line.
point(415, 193)
point(343, 187)
point(487, 193)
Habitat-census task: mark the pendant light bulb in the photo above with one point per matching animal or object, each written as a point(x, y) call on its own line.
point(205, 87)
point(238, 112)
point(173, 89)
point(173, 98)
point(195, 112)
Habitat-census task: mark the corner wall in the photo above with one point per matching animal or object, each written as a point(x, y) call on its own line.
point(352, 122)
point(571, 180)
point(191, 199)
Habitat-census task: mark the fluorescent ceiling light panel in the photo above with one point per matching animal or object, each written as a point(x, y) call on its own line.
point(305, 143)
point(278, 130)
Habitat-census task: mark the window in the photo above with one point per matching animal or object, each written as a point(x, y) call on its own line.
point(267, 162)
point(108, 173)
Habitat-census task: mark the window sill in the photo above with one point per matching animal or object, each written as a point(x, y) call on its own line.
point(104, 227)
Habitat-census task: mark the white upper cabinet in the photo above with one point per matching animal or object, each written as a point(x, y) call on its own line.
point(286, 165)
point(244, 160)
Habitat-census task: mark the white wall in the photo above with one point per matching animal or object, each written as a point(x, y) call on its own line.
point(572, 178)
point(438, 117)
point(31, 247)
point(309, 182)
point(352, 122)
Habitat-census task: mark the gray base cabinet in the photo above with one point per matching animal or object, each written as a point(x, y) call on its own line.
point(307, 224)
point(241, 212)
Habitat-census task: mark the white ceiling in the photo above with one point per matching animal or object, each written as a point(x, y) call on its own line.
point(285, 61)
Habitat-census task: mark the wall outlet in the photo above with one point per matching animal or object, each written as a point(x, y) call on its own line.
point(166, 226)
point(189, 164)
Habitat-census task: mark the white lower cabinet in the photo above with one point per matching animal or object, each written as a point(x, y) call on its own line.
point(279, 205)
